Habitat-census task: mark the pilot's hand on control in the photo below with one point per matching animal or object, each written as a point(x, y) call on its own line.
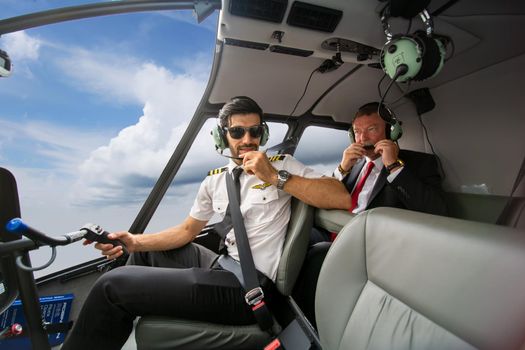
point(388, 150)
point(257, 163)
point(114, 251)
point(351, 155)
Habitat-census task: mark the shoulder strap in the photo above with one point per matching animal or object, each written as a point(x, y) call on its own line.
point(254, 293)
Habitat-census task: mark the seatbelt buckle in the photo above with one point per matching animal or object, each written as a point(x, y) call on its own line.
point(254, 297)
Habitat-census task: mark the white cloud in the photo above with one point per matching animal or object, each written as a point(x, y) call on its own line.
point(107, 75)
point(22, 49)
point(122, 168)
point(21, 46)
point(197, 66)
point(125, 79)
point(62, 147)
point(128, 165)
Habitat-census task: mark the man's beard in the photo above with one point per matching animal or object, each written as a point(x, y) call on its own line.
point(251, 146)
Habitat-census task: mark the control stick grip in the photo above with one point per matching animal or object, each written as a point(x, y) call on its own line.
point(95, 233)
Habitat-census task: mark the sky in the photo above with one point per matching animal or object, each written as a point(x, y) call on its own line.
point(92, 112)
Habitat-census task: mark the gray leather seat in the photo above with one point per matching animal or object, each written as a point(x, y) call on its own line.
point(153, 332)
point(397, 279)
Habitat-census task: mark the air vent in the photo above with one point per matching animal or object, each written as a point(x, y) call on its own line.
point(246, 44)
point(314, 17)
point(290, 51)
point(266, 10)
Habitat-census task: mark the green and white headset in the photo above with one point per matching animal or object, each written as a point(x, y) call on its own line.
point(421, 53)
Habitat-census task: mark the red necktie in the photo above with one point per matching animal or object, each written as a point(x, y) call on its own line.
point(360, 184)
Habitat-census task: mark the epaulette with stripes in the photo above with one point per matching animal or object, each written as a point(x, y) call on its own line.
point(277, 157)
point(217, 171)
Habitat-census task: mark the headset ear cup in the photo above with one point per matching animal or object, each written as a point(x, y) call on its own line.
point(431, 56)
point(266, 134)
point(398, 51)
point(441, 60)
point(395, 130)
point(423, 54)
point(221, 143)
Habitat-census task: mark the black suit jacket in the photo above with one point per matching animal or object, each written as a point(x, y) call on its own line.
point(417, 187)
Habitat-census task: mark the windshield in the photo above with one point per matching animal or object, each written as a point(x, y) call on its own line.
point(92, 111)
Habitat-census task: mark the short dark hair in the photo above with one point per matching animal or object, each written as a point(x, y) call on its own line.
point(238, 105)
point(371, 108)
point(367, 109)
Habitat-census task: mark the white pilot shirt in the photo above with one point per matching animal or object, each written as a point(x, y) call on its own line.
point(265, 209)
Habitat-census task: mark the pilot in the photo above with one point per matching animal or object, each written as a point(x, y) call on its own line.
point(194, 286)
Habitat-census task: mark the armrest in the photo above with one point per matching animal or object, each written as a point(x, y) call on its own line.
point(333, 220)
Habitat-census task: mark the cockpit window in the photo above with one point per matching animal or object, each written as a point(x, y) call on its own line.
point(92, 111)
point(322, 148)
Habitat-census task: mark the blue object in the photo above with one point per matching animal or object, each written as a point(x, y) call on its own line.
point(55, 309)
point(16, 226)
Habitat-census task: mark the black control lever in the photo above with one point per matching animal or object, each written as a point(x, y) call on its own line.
point(96, 233)
point(91, 232)
point(19, 227)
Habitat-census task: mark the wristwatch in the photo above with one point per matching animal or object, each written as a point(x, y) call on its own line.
point(341, 170)
point(394, 165)
point(282, 177)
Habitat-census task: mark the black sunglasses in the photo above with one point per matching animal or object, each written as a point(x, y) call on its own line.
point(238, 132)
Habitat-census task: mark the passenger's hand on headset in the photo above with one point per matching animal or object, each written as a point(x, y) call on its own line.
point(388, 150)
point(257, 163)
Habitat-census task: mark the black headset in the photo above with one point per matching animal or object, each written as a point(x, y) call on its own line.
point(420, 55)
point(393, 130)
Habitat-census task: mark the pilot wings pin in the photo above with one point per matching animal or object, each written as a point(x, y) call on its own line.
point(262, 186)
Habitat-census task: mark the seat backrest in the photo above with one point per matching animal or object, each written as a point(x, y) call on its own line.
point(295, 246)
point(9, 209)
point(397, 279)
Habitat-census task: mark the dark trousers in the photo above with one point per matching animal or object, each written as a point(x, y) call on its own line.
point(319, 234)
point(183, 283)
point(306, 285)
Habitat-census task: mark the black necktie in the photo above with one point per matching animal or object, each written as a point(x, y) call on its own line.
point(223, 227)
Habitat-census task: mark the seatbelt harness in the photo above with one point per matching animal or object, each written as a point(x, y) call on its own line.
point(254, 293)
